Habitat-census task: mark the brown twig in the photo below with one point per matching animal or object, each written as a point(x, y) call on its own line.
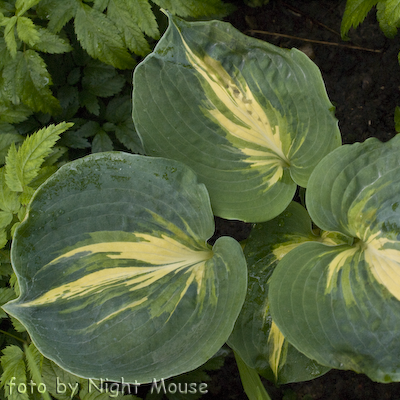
point(313, 20)
point(313, 41)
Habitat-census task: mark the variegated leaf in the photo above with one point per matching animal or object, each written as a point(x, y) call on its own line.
point(256, 338)
point(340, 305)
point(251, 119)
point(117, 279)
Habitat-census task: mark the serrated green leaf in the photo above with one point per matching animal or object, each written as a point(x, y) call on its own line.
point(17, 325)
point(3, 238)
point(101, 38)
point(392, 11)
point(4, 54)
point(24, 165)
point(118, 11)
point(68, 97)
point(355, 13)
point(13, 364)
point(90, 101)
point(61, 384)
point(26, 79)
point(127, 135)
point(27, 31)
point(6, 139)
point(119, 112)
point(9, 35)
point(388, 22)
point(5, 218)
point(49, 42)
point(24, 5)
point(102, 142)
point(8, 199)
point(194, 8)
point(14, 114)
point(6, 294)
point(164, 293)
point(142, 15)
point(78, 139)
point(101, 79)
point(57, 12)
point(34, 360)
point(100, 5)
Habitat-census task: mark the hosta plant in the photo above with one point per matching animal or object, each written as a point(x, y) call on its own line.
point(117, 278)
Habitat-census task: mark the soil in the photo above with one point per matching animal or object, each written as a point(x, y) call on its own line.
point(362, 77)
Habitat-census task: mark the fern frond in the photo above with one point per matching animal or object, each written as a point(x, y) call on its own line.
point(23, 166)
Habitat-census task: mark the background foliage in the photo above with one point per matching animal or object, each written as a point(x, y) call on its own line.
point(69, 61)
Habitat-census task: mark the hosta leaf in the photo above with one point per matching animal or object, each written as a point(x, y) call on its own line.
point(340, 305)
point(115, 274)
point(255, 337)
point(241, 113)
point(101, 38)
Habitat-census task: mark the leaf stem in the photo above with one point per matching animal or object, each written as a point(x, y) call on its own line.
point(13, 336)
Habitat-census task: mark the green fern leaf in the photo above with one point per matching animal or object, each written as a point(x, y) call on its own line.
point(6, 294)
point(101, 38)
point(24, 5)
point(100, 5)
point(102, 142)
point(11, 113)
point(3, 242)
point(27, 31)
point(57, 12)
point(9, 34)
point(194, 8)
point(28, 80)
point(34, 360)
point(8, 199)
point(134, 38)
point(6, 138)
point(355, 13)
point(5, 219)
point(102, 80)
point(51, 43)
point(14, 371)
point(388, 15)
point(388, 27)
point(24, 165)
point(78, 139)
point(61, 384)
point(142, 15)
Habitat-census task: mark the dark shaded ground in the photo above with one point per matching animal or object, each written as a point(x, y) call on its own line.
point(363, 83)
